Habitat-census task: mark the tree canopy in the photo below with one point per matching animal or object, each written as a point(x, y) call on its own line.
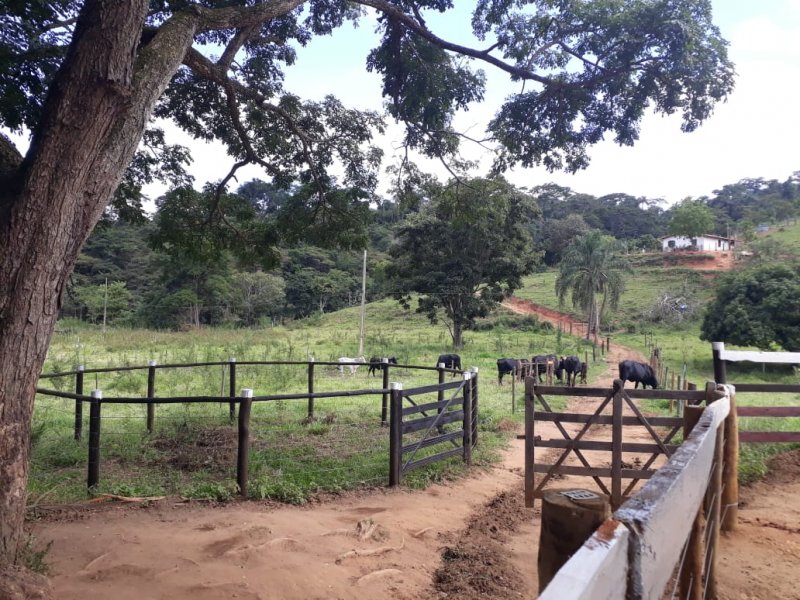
point(465, 251)
point(757, 307)
point(691, 218)
point(87, 77)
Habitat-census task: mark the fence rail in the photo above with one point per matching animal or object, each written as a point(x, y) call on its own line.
point(260, 422)
point(720, 355)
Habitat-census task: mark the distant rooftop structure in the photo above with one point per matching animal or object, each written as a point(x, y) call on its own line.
point(702, 243)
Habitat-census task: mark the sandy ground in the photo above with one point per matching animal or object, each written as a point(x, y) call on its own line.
point(468, 539)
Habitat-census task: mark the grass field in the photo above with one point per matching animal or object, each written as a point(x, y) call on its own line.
point(192, 450)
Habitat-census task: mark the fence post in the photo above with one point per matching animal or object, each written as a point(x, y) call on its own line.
point(242, 458)
point(395, 432)
point(467, 426)
point(232, 387)
point(616, 446)
point(730, 468)
point(720, 376)
point(310, 389)
point(151, 392)
point(79, 402)
point(385, 396)
point(713, 510)
point(691, 575)
point(529, 440)
point(474, 388)
point(514, 391)
point(594, 352)
point(93, 475)
point(440, 393)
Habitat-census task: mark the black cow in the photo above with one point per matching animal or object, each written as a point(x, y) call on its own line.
point(630, 370)
point(584, 372)
point(505, 365)
point(540, 363)
point(375, 363)
point(572, 366)
point(450, 361)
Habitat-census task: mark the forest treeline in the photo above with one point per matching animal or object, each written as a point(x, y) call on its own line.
point(180, 268)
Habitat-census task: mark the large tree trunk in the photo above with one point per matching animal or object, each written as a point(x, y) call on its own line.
point(93, 120)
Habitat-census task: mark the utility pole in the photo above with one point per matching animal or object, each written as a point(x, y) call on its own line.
point(105, 305)
point(363, 305)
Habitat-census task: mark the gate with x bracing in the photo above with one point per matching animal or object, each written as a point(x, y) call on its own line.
point(419, 429)
point(616, 413)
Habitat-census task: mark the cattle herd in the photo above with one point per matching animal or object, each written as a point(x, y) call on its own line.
point(572, 366)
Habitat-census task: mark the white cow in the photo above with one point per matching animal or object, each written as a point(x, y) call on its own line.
point(344, 362)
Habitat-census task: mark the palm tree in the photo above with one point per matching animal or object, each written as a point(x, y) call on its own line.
point(592, 266)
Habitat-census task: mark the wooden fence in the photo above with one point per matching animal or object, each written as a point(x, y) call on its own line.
point(721, 355)
point(672, 524)
point(466, 413)
point(231, 365)
point(618, 398)
point(461, 407)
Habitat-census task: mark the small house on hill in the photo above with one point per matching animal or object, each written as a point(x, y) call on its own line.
point(702, 243)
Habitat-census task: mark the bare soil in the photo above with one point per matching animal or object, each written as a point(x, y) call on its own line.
point(468, 539)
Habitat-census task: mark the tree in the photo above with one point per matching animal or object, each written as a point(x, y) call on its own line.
point(592, 266)
point(216, 69)
point(559, 234)
point(465, 252)
point(112, 300)
point(255, 295)
point(757, 307)
point(691, 218)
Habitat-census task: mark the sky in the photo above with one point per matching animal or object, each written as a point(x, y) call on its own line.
point(754, 133)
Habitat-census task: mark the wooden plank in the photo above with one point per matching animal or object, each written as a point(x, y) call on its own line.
point(597, 571)
point(432, 441)
point(773, 437)
point(605, 419)
point(432, 421)
point(429, 389)
point(603, 446)
point(786, 358)
point(661, 514)
point(560, 390)
point(410, 410)
point(583, 392)
point(768, 411)
point(593, 471)
point(433, 458)
point(767, 387)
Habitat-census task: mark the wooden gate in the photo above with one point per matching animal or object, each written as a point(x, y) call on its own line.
point(415, 425)
point(618, 398)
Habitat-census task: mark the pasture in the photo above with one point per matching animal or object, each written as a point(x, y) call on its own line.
point(192, 450)
point(294, 460)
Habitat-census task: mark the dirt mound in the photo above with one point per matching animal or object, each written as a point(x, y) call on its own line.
point(477, 566)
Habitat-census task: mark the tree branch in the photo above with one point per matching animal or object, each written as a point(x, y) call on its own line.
point(238, 17)
point(397, 14)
